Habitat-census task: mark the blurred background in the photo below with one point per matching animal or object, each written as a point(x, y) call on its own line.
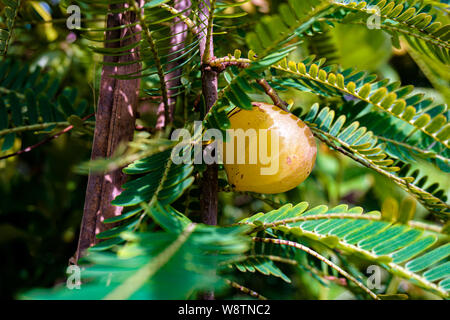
point(42, 195)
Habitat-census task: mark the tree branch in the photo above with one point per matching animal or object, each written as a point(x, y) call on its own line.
point(272, 94)
point(210, 186)
point(115, 120)
point(209, 183)
point(48, 139)
point(245, 290)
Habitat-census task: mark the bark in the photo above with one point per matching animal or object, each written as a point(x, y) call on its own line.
point(209, 183)
point(208, 200)
point(179, 30)
point(272, 94)
point(115, 120)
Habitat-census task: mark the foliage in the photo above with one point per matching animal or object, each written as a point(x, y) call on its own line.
point(30, 103)
point(381, 143)
point(392, 245)
point(159, 265)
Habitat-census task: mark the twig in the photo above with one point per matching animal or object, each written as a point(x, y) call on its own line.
point(245, 290)
point(48, 139)
point(209, 85)
point(209, 183)
point(321, 258)
point(207, 8)
point(34, 127)
point(272, 94)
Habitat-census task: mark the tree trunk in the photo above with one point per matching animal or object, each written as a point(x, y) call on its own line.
point(115, 122)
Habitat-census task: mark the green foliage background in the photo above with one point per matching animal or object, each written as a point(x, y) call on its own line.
point(42, 192)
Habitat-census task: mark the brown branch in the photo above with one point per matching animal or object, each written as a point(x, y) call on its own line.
point(206, 17)
point(115, 121)
point(272, 94)
point(48, 139)
point(245, 290)
point(209, 85)
point(209, 183)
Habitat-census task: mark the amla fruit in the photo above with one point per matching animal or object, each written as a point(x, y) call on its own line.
point(279, 150)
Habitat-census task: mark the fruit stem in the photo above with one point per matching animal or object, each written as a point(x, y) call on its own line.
point(272, 94)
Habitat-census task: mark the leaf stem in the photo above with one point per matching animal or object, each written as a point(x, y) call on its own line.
point(418, 192)
point(48, 139)
point(245, 290)
point(272, 94)
point(321, 258)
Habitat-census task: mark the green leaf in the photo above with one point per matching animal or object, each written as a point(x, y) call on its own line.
point(124, 216)
point(363, 235)
point(168, 218)
point(154, 3)
point(8, 141)
point(429, 258)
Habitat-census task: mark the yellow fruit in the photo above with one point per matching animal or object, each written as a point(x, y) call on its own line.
point(284, 169)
